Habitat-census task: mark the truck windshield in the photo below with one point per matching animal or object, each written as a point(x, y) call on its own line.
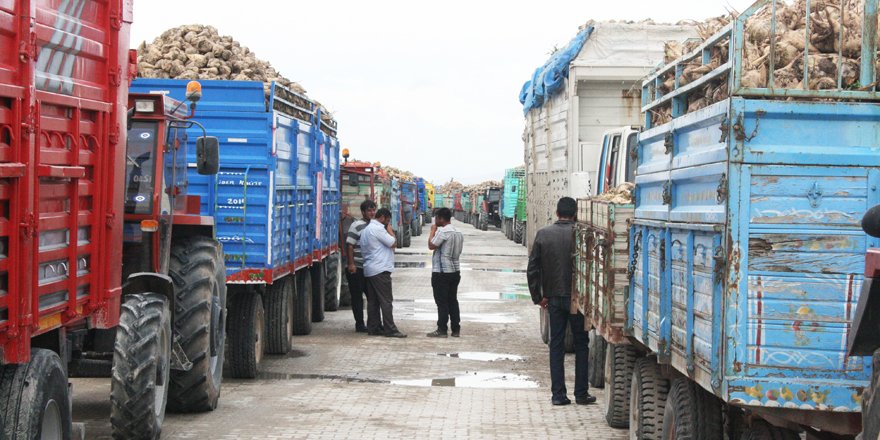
point(139, 167)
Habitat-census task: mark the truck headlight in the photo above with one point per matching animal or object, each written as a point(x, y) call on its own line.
point(145, 106)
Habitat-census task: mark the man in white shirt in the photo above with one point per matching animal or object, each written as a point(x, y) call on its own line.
point(357, 285)
point(377, 246)
point(446, 242)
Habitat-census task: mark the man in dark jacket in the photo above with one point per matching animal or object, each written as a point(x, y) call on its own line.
point(550, 282)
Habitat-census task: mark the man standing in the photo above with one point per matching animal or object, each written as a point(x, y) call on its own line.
point(549, 274)
point(446, 242)
point(357, 285)
point(377, 246)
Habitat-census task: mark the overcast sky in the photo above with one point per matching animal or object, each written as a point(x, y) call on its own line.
point(431, 87)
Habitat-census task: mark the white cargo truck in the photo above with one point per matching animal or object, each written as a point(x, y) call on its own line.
point(599, 99)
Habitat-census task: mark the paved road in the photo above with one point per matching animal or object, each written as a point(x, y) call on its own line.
point(493, 382)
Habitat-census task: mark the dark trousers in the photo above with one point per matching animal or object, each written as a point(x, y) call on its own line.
point(379, 297)
point(357, 286)
point(560, 316)
point(446, 297)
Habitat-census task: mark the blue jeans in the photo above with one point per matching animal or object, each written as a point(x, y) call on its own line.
point(559, 313)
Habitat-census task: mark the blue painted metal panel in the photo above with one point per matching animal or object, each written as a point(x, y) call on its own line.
point(276, 198)
point(764, 253)
point(653, 194)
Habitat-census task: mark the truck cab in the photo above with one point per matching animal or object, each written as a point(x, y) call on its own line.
point(612, 164)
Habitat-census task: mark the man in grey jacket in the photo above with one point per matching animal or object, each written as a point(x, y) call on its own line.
point(550, 283)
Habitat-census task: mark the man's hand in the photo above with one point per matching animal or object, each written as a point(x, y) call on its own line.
point(544, 302)
point(351, 268)
point(433, 228)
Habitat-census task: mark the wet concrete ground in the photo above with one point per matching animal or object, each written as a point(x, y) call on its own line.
point(493, 382)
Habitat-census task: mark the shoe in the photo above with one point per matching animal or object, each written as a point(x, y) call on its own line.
point(436, 334)
point(456, 333)
point(562, 401)
point(396, 334)
point(586, 400)
point(360, 329)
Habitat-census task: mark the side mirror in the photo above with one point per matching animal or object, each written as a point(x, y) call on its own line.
point(208, 155)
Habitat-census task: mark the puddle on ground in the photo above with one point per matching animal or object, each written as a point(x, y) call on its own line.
point(489, 296)
point(481, 356)
point(492, 269)
point(481, 318)
point(294, 376)
point(476, 379)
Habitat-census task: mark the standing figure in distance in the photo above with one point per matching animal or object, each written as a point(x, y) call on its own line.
point(357, 284)
point(377, 246)
point(549, 273)
point(446, 242)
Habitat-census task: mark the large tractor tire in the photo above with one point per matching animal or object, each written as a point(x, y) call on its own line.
point(761, 430)
point(647, 400)
point(598, 347)
point(278, 305)
point(333, 287)
point(620, 361)
point(871, 403)
point(406, 241)
point(141, 367)
point(691, 413)
point(519, 232)
point(34, 399)
point(247, 334)
point(319, 286)
point(302, 304)
point(199, 275)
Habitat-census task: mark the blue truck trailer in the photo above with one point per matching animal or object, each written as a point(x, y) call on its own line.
point(746, 253)
point(275, 203)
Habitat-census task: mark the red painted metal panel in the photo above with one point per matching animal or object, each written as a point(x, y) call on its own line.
point(61, 165)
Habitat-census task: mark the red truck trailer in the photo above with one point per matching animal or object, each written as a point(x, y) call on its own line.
point(75, 204)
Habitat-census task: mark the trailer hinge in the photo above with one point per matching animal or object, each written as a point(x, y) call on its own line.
point(28, 226)
point(116, 18)
point(27, 48)
point(720, 262)
point(669, 142)
point(114, 135)
point(739, 133)
point(115, 74)
point(30, 121)
point(667, 193)
point(721, 192)
point(725, 129)
point(110, 219)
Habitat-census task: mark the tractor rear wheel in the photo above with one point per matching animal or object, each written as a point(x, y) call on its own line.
point(406, 241)
point(302, 309)
point(871, 403)
point(34, 399)
point(197, 268)
point(141, 367)
point(519, 231)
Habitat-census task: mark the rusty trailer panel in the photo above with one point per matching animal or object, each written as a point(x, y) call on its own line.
point(602, 266)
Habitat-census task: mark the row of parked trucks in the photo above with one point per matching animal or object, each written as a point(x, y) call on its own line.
point(410, 200)
point(135, 246)
point(732, 295)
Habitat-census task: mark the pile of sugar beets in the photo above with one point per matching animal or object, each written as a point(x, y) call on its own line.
point(827, 48)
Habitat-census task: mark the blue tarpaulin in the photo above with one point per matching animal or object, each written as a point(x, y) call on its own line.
point(549, 79)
